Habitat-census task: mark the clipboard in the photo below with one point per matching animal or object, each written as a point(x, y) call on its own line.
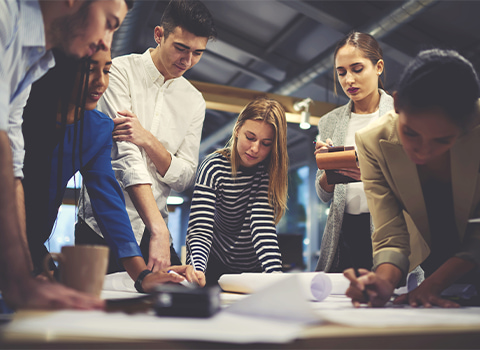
point(333, 158)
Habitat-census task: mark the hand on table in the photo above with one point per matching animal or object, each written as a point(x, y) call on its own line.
point(183, 272)
point(36, 293)
point(190, 274)
point(425, 295)
point(379, 290)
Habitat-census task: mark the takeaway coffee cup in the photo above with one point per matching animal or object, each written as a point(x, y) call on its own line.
point(82, 267)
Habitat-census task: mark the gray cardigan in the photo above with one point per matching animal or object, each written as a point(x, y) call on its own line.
point(334, 126)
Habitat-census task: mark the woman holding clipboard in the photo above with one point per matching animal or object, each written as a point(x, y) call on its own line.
point(358, 67)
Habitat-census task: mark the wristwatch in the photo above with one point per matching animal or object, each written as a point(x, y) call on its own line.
point(140, 278)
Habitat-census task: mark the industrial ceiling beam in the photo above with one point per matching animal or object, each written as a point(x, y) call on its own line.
point(232, 99)
point(379, 29)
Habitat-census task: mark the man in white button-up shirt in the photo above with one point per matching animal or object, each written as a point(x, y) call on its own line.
point(159, 117)
point(28, 30)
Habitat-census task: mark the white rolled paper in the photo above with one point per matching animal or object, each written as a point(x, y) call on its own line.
point(316, 286)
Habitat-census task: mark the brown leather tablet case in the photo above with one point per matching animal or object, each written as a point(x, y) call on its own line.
point(335, 158)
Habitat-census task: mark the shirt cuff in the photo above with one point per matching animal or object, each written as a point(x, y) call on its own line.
point(129, 250)
point(131, 177)
point(4, 107)
point(18, 158)
point(395, 258)
point(469, 257)
point(174, 172)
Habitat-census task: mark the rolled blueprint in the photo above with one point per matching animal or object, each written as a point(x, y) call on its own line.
point(316, 286)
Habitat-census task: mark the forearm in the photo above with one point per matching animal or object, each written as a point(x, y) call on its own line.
point(389, 273)
point(146, 206)
point(200, 225)
point(20, 197)
point(449, 272)
point(265, 241)
point(264, 234)
point(13, 265)
point(158, 154)
point(198, 245)
point(134, 265)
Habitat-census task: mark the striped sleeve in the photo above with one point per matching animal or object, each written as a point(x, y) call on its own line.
point(200, 226)
point(202, 212)
point(263, 230)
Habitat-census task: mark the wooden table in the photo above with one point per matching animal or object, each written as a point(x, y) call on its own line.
point(324, 336)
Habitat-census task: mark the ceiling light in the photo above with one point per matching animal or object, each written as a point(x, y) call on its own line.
point(303, 106)
point(305, 120)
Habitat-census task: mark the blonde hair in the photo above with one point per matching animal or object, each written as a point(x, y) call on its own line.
point(272, 113)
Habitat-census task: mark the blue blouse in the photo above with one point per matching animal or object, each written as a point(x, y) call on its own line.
point(93, 161)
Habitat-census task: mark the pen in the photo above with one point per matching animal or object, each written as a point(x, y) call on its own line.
point(191, 255)
point(364, 291)
point(329, 144)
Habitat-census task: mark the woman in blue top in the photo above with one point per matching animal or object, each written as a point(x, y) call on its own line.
point(78, 138)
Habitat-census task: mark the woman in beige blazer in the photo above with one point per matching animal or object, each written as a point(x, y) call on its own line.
point(420, 169)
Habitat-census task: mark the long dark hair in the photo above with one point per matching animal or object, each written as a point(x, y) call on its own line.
point(50, 95)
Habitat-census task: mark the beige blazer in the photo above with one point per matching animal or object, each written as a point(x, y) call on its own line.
point(395, 198)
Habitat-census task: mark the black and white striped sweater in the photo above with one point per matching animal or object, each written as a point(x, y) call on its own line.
point(232, 219)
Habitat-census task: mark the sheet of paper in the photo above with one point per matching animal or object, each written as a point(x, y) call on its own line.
point(119, 281)
point(112, 294)
point(276, 315)
point(224, 327)
point(401, 316)
point(281, 300)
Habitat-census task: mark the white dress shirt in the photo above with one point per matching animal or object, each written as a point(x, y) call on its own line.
point(173, 111)
point(23, 60)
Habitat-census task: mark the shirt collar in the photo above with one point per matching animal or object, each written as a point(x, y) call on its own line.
point(32, 29)
point(153, 72)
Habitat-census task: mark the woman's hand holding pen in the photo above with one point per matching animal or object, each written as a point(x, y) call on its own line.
point(378, 289)
point(322, 145)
